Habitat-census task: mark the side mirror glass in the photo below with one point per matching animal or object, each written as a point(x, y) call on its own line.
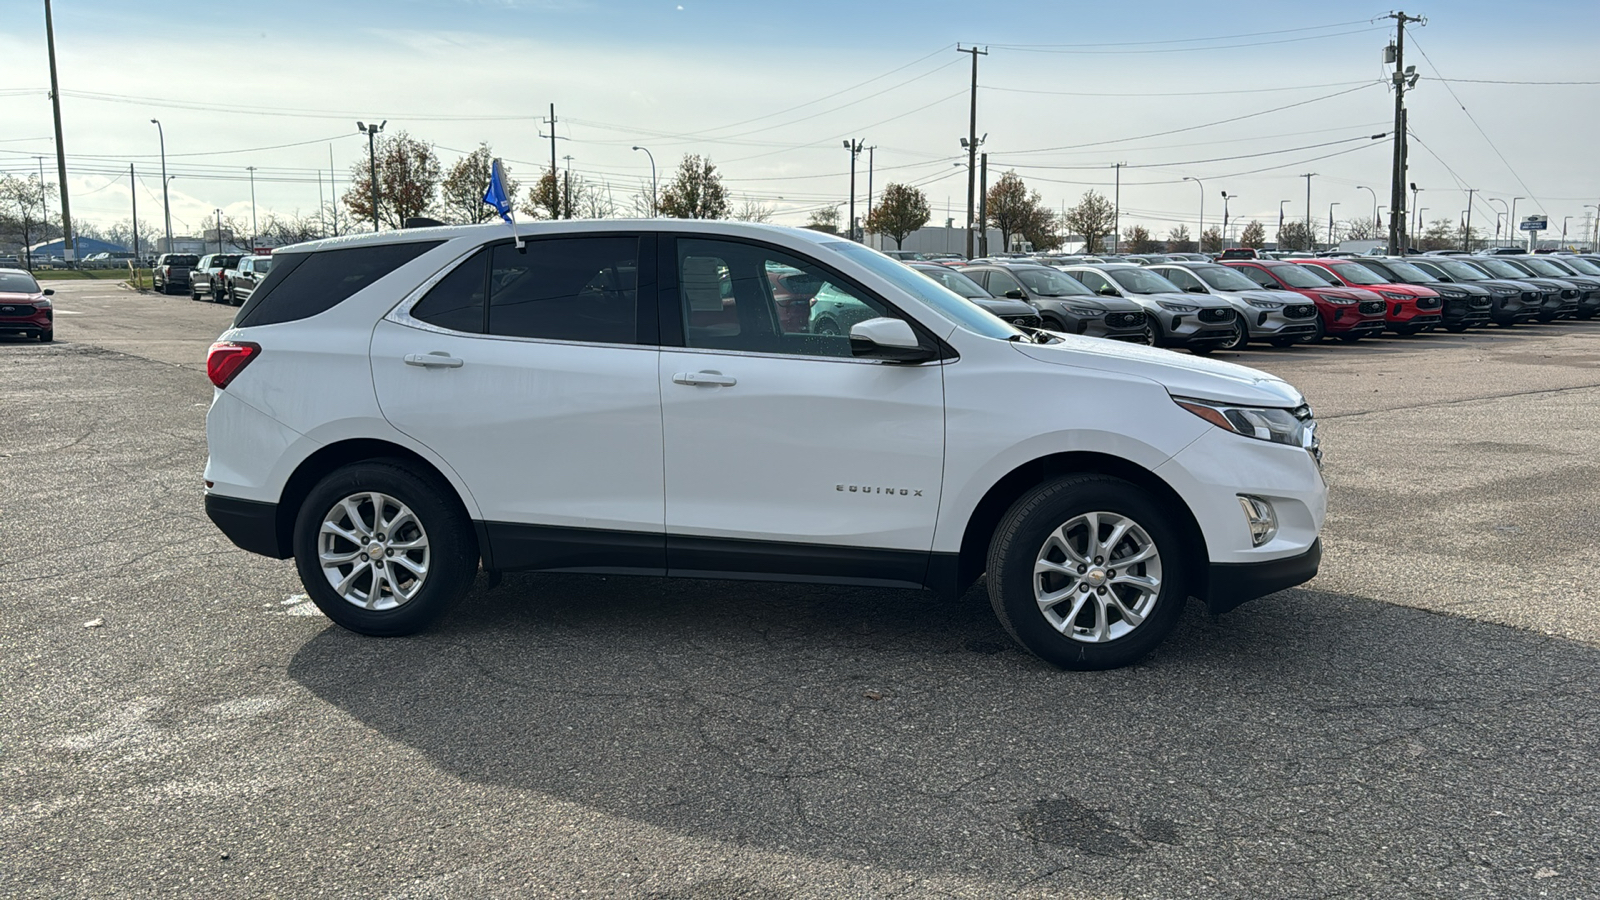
point(1108, 291)
point(1015, 294)
point(886, 338)
point(1195, 289)
point(49, 292)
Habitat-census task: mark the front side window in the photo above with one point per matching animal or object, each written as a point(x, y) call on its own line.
point(566, 289)
point(1356, 274)
point(1222, 278)
point(1183, 280)
point(1050, 283)
point(955, 281)
point(1141, 281)
point(1001, 283)
point(1261, 276)
point(748, 298)
point(1294, 276)
point(1097, 283)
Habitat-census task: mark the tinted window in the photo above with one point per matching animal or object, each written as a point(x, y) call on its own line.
point(1293, 276)
point(456, 302)
point(1001, 282)
point(181, 259)
point(1183, 279)
point(18, 283)
point(1263, 278)
point(306, 284)
point(743, 297)
point(1050, 283)
point(1355, 274)
point(566, 289)
point(1139, 281)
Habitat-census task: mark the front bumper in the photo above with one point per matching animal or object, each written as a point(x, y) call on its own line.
point(41, 321)
point(1233, 584)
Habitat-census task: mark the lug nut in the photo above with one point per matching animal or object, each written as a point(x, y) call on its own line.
point(1084, 587)
point(1082, 569)
point(1099, 590)
point(1098, 560)
point(364, 557)
point(1111, 573)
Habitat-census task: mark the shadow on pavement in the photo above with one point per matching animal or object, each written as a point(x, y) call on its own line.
point(1311, 739)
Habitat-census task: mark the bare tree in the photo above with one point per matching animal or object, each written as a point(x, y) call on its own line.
point(825, 220)
point(750, 210)
point(1296, 236)
point(901, 210)
point(591, 200)
point(1093, 218)
point(1178, 240)
point(408, 180)
point(1362, 229)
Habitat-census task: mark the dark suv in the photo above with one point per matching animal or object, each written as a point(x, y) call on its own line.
point(172, 271)
point(210, 276)
point(1063, 303)
point(1511, 301)
point(1465, 305)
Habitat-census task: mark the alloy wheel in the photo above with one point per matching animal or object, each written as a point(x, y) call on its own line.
point(373, 551)
point(1097, 577)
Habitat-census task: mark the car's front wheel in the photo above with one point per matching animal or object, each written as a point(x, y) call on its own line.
point(1241, 337)
point(383, 550)
point(1087, 572)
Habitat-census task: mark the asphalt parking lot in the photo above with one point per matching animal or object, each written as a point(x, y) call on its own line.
point(1418, 721)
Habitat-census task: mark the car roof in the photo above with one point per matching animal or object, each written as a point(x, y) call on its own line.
point(493, 230)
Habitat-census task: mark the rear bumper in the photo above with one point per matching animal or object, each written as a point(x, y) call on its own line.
point(250, 524)
point(1233, 584)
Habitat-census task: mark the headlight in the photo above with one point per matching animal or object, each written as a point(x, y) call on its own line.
point(1264, 304)
point(1087, 311)
point(1393, 296)
point(1264, 423)
point(1176, 307)
point(1342, 301)
point(42, 303)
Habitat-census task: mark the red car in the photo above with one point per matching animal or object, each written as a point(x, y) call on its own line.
point(24, 308)
point(1412, 308)
point(1348, 314)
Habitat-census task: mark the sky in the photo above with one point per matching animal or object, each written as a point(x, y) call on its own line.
point(1242, 98)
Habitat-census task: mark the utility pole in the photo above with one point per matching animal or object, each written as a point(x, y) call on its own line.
point(566, 187)
point(253, 229)
point(133, 194)
point(1466, 230)
point(983, 205)
point(972, 141)
point(854, 146)
point(67, 251)
point(555, 194)
point(219, 231)
point(870, 161)
point(333, 194)
point(1201, 234)
point(166, 202)
point(1310, 237)
point(1403, 78)
point(1116, 210)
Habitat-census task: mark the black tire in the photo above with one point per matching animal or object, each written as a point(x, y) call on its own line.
point(1456, 327)
point(826, 326)
point(1204, 349)
point(1153, 335)
point(1316, 336)
point(451, 560)
point(1349, 338)
point(1241, 338)
point(46, 337)
point(194, 293)
point(1021, 540)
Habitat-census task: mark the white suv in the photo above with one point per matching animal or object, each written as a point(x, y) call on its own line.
point(650, 397)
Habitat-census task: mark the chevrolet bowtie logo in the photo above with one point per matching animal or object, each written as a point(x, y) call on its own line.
point(888, 491)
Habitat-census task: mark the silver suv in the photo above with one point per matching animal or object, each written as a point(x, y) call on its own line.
point(1199, 323)
point(1280, 318)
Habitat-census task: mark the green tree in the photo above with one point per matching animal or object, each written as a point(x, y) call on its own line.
point(825, 220)
point(1254, 235)
point(1296, 236)
point(902, 210)
point(1092, 219)
point(544, 197)
point(1441, 234)
point(1015, 210)
point(695, 192)
point(408, 181)
point(461, 192)
point(1137, 239)
point(1178, 240)
point(1211, 240)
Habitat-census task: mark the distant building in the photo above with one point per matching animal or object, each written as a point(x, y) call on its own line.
point(81, 247)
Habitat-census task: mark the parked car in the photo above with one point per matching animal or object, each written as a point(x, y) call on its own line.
point(1410, 308)
point(1147, 259)
point(1064, 304)
point(1015, 312)
point(1585, 267)
point(1199, 323)
point(10, 262)
point(1512, 301)
point(1465, 305)
point(390, 427)
point(1348, 314)
point(209, 277)
point(1240, 253)
point(171, 270)
point(1588, 300)
point(1281, 318)
point(1560, 295)
point(241, 281)
point(25, 308)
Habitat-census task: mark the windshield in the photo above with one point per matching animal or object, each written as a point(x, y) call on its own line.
point(18, 283)
point(1140, 281)
point(1543, 267)
point(1460, 271)
point(182, 259)
point(954, 280)
point(939, 298)
point(1298, 276)
point(1222, 278)
point(1050, 283)
point(1356, 274)
point(1582, 265)
point(1410, 272)
point(1501, 268)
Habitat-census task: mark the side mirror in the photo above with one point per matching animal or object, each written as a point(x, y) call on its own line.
point(49, 292)
point(1108, 291)
point(1195, 289)
point(885, 338)
point(1014, 294)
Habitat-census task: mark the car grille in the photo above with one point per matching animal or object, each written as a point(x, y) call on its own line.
point(12, 310)
point(1125, 319)
point(1429, 302)
point(1025, 321)
point(1369, 307)
point(1299, 311)
point(1216, 315)
point(1481, 302)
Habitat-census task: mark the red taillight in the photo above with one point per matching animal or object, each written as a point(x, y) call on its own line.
point(227, 359)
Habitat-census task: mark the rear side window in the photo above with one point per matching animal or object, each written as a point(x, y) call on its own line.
point(566, 289)
point(303, 285)
point(456, 302)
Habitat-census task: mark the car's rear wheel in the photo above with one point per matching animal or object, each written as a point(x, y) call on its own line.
point(1087, 572)
point(383, 550)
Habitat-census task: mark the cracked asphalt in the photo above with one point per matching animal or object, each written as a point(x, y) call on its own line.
point(1418, 721)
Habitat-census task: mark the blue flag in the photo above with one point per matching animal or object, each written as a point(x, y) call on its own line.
point(495, 196)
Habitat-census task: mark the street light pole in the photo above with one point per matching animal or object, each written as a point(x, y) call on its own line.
point(1375, 223)
point(1199, 235)
point(254, 230)
point(371, 132)
point(1417, 237)
point(654, 209)
point(1310, 238)
point(1225, 198)
point(1594, 245)
point(1504, 211)
point(1564, 222)
point(166, 204)
point(854, 146)
point(1331, 241)
point(1280, 219)
point(219, 231)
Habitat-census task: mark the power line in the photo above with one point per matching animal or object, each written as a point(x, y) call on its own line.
point(1193, 162)
point(1098, 94)
point(1315, 37)
point(1493, 81)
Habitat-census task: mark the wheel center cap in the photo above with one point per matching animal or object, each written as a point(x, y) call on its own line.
point(375, 551)
point(1096, 577)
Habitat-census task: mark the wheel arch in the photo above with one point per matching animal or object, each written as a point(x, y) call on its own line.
point(326, 459)
point(970, 561)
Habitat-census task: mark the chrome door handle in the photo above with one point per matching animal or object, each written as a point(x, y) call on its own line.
point(438, 359)
point(705, 378)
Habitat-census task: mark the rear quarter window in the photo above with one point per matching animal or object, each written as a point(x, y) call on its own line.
point(302, 285)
